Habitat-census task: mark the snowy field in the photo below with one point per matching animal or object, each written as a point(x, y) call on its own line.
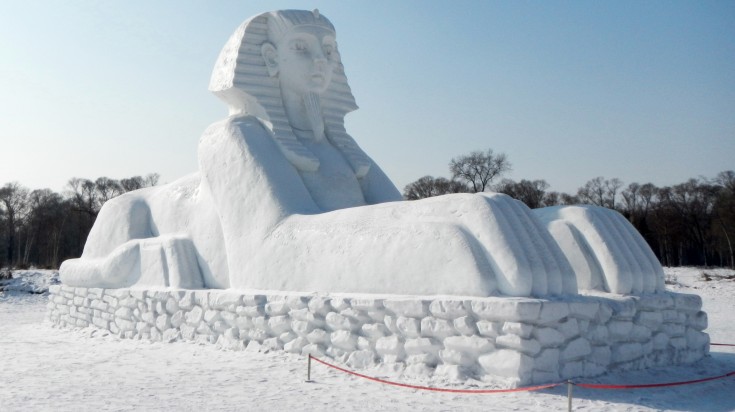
point(42, 368)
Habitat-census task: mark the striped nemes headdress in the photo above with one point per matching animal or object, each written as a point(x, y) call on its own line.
point(240, 78)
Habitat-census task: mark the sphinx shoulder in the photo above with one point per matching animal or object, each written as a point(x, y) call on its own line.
point(236, 127)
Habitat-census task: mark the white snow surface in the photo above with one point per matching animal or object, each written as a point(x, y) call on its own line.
point(29, 281)
point(44, 368)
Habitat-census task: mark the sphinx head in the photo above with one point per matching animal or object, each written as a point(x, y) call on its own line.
point(281, 54)
point(293, 50)
point(301, 51)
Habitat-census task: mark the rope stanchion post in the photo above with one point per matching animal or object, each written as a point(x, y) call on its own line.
point(570, 385)
point(308, 368)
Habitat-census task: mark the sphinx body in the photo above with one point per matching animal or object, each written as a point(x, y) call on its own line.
point(286, 200)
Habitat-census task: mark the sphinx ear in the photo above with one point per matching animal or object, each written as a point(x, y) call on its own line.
point(270, 55)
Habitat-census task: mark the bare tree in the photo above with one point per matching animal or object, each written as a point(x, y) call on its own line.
point(151, 179)
point(83, 195)
point(107, 189)
point(611, 188)
point(726, 179)
point(631, 197)
point(552, 198)
point(132, 183)
point(532, 193)
point(567, 199)
point(636, 203)
point(478, 169)
point(724, 222)
point(14, 201)
point(593, 192)
point(429, 186)
point(136, 182)
point(43, 227)
point(600, 191)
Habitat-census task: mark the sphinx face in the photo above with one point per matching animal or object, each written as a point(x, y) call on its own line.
point(305, 59)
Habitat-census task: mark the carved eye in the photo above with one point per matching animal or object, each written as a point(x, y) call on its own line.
point(328, 50)
point(299, 46)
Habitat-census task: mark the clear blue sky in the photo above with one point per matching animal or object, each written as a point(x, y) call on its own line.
point(569, 90)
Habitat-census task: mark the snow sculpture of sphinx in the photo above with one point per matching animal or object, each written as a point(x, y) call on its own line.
point(286, 200)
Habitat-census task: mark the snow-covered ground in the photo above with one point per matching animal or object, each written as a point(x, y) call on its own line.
point(42, 368)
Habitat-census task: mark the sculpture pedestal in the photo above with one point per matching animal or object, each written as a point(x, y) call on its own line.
point(516, 341)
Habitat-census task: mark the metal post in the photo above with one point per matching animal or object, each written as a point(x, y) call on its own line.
point(308, 369)
point(569, 396)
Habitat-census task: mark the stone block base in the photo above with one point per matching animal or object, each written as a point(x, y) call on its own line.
point(517, 341)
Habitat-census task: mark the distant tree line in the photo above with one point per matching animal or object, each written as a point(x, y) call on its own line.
point(688, 224)
point(42, 228)
point(691, 223)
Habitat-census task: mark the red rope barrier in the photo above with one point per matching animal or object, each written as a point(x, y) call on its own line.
point(529, 388)
point(650, 385)
point(428, 388)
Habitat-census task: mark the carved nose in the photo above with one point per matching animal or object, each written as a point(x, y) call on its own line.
point(320, 63)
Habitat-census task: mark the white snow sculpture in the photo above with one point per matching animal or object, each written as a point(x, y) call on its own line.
point(605, 250)
point(286, 200)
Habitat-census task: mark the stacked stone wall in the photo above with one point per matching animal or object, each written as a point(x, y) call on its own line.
point(517, 340)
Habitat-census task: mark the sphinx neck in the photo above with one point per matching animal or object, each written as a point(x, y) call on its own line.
point(304, 114)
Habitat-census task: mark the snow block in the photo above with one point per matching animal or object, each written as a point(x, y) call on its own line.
point(650, 319)
point(295, 346)
point(656, 302)
point(276, 308)
point(464, 325)
point(598, 335)
point(516, 328)
point(507, 364)
point(688, 303)
point(455, 357)
point(366, 304)
point(528, 346)
point(547, 361)
point(601, 355)
point(318, 336)
point(438, 328)
point(408, 327)
point(361, 359)
point(447, 309)
point(472, 345)
point(337, 321)
point(625, 352)
point(548, 337)
point(569, 328)
point(489, 329)
point(554, 311)
point(374, 331)
point(344, 339)
point(620, 330)
point(576, 349)
point(409, 308)
point(508, 309)
point(420, 346)
point(698, 321)
point(224, 300)
point(584, 310)
point(389, 345)
point(696, 339)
